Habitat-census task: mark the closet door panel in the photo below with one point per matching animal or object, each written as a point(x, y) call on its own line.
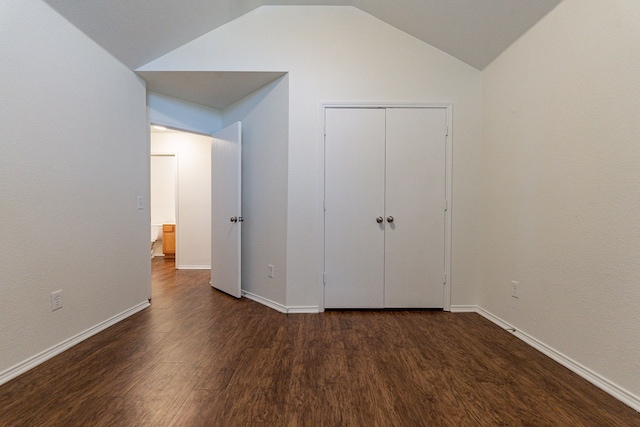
point(354, 198)
point(415, 198)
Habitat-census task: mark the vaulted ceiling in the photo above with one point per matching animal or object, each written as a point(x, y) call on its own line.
point(139, 31)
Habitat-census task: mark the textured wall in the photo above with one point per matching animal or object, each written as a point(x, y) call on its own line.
point(75, 156)
point(560, 198)
point(184, 115)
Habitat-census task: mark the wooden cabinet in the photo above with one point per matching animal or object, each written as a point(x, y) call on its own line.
point(169, 240)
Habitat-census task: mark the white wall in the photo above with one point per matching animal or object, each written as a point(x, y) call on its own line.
point(164, 181)
point(560, 186)
point(265, 124)
point(193, 231)
point(184, 115)
point(75, 155)
point(341, 54)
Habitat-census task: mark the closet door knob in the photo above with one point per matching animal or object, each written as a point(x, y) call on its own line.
point(389, 218)
point(234, 219)
point(240, 219)
point(379, 220)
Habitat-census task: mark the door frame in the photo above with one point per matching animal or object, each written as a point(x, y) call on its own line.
point(171, 127)
point(448, 186)
point(176, 192)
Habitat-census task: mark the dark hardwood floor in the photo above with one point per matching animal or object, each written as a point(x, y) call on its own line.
point(198, 357)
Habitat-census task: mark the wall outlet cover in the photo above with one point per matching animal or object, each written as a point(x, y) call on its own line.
point(56, 300)
point(514, 289)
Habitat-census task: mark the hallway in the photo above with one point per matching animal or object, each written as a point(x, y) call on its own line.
point(200, 357)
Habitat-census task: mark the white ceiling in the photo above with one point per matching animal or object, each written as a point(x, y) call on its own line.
point(214, 89)
point(139, 31)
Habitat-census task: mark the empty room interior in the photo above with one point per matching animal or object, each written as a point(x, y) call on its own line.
point(420, 163)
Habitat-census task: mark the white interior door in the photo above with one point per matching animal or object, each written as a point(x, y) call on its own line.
point(354, 199)
point(226, 213)
point(415, 199)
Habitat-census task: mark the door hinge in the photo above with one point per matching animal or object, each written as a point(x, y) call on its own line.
point(324, 205)
point(446, 205)
point(445, 278)
point(446, 131)
point(324, 279)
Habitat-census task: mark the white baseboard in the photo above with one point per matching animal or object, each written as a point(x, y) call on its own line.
point(464, 308)
point(303, 309)
point(264, 301)
point(279, 307)
point(594, 378)
point(39, 358)
point(193, 267)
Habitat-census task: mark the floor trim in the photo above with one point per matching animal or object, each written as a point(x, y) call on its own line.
point(464, 308)
point(193, 267)
point(264, 301)
point(279, 307)
point(303, 309)
point(594, 378)
point(42, 357)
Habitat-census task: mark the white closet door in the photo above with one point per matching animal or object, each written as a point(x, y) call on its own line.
point(415, 198)
point(354, 199)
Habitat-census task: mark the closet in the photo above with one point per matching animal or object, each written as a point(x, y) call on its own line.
point(384, 205)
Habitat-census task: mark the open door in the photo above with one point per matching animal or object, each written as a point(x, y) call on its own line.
point(226, 213)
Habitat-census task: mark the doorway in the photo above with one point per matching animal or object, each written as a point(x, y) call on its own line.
point(163, 197)
point(192, 188)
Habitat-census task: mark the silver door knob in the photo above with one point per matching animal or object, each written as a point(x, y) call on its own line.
point(379, 220)
point(234, 219)
point(389, 218)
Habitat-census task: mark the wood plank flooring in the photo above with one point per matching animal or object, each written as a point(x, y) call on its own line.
point(198, 357)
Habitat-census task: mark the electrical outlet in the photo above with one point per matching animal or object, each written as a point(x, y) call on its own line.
point(56, 300)
point(270, 271)
point(514, 289)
